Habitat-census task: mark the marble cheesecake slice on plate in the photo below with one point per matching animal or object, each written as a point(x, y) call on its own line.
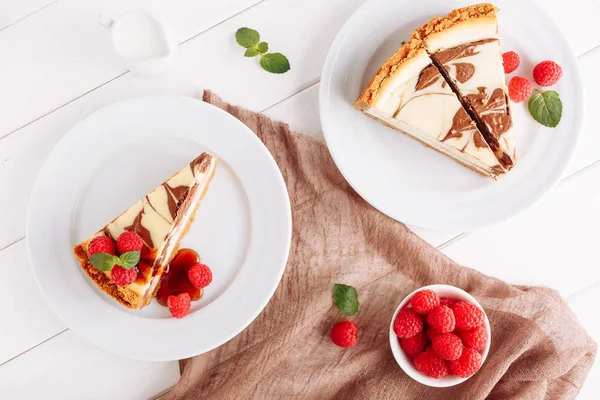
point(161, 218)
point(408, 93)
point(464, 46)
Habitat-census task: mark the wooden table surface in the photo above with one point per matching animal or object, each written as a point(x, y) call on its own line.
point(58, 66)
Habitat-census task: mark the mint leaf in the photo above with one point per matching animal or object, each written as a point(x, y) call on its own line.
point(263, 47)
point(546, 108)
point(247, 37)
point(251, 52)
point(275, 63)
point(345, 298)
point(129, 260)
point(103, 261)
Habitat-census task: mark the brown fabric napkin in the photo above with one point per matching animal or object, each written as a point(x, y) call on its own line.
point(538, 348)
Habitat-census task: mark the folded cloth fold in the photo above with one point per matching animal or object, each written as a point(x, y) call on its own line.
point(538, 348)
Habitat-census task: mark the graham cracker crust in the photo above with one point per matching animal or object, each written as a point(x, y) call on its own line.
point(406, 52)
point(455, 17)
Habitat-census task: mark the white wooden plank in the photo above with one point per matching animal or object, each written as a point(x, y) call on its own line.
point(553, 244)
point(585, 306)
point(12, 11)
point(61, 52)
point(66, 367)
point(28, 319)
point(576, 19)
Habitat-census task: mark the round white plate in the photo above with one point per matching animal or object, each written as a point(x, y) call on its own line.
point(117, 155)
point(416, 185)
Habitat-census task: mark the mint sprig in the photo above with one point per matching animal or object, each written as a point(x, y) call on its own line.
point(249, 39)
point(105, 262)
point(345, 299)
point(546, 108)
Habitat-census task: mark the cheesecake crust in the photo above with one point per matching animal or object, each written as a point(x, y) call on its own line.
point(405, 53)
point(483, 10)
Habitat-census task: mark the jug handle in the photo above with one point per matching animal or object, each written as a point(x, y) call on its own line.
point(105, 21)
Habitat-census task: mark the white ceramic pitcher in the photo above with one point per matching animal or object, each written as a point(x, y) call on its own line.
point(142, 40)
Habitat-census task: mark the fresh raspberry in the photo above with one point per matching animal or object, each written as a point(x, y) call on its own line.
point(447, 302)
point(519, 89)
point(413, 346)
point(432, 332)
point(407, 323)
point(122, 276)
point(344, 334)
point(179, 305)
point(447, 346)
point(547, 73)
point(101, 244)
point(468, 316)
point(424, 301)
point(441, 319)
point(200, 275)
point(428, 363)
point(475, 339)
point(129, 241)
point(511, 61)
point(468, 363)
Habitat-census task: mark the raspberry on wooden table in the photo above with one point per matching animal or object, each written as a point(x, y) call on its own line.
point(200, 275)
point(424, 301)
point(414, 345)
point(441, 319)
point(475, 339)
point(468, 363)
point(511, 61)
point(519, 89)
point(447, 346)
point(101, 244)
point(179, 305)
point(468, 316)
point(407, 323)
point(428, 363)
point(344, 334)
point(122, 276)
point(129, 241)
point(547, 73)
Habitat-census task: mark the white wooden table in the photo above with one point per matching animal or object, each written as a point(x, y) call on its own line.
point(57, 67)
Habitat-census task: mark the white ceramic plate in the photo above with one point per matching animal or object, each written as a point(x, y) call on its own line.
point(111, 159)
point(416, 185)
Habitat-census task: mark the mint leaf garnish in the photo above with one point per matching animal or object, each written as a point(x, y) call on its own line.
point(546, 108)
point(103, 261)
point(251, 52)
point(345, 298)
point(275, 63)
point(129, 260)
point(263, 47)
point(247, 37)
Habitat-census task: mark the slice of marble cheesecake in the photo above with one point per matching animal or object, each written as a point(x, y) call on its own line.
point(409, 94)
point(464, 46)
point(161, 218)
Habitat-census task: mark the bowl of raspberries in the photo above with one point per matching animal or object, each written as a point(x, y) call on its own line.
point(440, 335)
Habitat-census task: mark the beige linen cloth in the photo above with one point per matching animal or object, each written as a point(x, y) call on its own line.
point(538, 349)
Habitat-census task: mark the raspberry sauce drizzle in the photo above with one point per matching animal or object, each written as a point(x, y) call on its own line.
point(175, 281)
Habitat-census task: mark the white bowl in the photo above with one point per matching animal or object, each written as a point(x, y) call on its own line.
point(406, 363)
